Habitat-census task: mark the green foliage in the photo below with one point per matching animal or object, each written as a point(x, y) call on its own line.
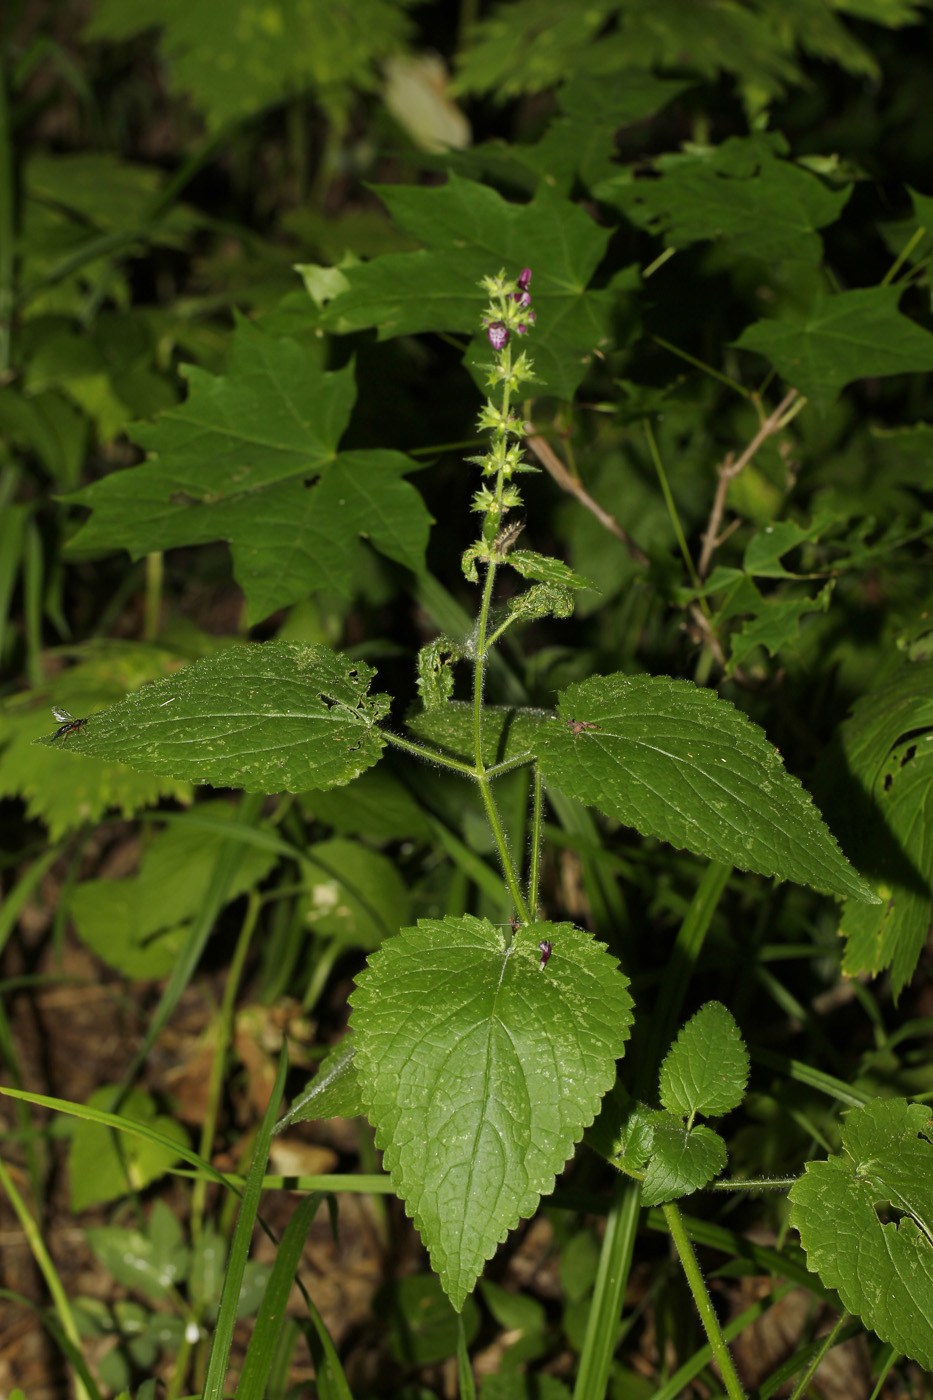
point(741, 194)
point(478, 1011)
point(839, 339)
point(706, 1069)
point(884, 764)
point(236, 59)
point(882, 1268)
point(675, 761)
point(703, 433)
point(266, 718)
point(236, 462)
point(466, 230)
point(104, 1166)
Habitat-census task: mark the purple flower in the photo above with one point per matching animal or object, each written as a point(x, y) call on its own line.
point(498, 335)
point(524, 279)
point(544, 947)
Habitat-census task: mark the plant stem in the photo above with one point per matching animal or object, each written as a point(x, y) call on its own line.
point(155, 573)
point(432, 755)
point(508, 869)
point(46, 1268)
point(7, 230)
point(222, 1045)
point(829, 1341)
point(703, 1302)
point(479, 667)
point(612, 1275)
point(534, 870)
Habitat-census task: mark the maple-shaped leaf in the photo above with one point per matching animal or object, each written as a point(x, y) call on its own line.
point(469, 232)
point(251, 457)
point(481, 1064)
point(740, 194)
point(849, 336)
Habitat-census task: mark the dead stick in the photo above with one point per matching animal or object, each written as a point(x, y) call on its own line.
point(555, 467)
point(730, 469)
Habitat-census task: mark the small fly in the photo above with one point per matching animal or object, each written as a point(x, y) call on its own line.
point(67, 723)
point(577, 726)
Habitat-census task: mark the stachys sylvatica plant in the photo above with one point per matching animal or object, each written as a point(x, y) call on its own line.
point(482, 1053)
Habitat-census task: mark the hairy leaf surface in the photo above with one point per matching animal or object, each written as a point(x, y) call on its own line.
point(865, 1218)
point(481, 1070)
point(678, 762)
point(273, 717)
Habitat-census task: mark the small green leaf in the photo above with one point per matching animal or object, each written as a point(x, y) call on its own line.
point(435, 679)
point(153, 1262)
point(103, 1169)
point(706, 1069)
point(678, 762)
point(334, 1092)
point(849, 336)
point(623, 1130)
point(545, 569)
point(542, 600)
point(481, 1070)
point(355, 896)
point(682, 1160)
point(507, 731)
point(865, 1218)
point(272, 717)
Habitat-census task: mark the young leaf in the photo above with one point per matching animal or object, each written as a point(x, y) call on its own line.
point(544, 569)
point(101, 1169)
point(236, 462)
point(706, 1069)
point(682, 1160)
point(849, 336)
point(507, 731)
point(865, 1218)
point(137, 925)
point(272, 717)
point(480, 1071)
point(334, 1092)
point(678, 762)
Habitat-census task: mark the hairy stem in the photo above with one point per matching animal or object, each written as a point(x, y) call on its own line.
point(703, 1302)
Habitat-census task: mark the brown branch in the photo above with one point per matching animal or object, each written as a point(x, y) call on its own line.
point(555, 467)
point(729, 470)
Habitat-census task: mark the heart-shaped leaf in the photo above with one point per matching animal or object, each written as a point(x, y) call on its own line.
point(481, 1064)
